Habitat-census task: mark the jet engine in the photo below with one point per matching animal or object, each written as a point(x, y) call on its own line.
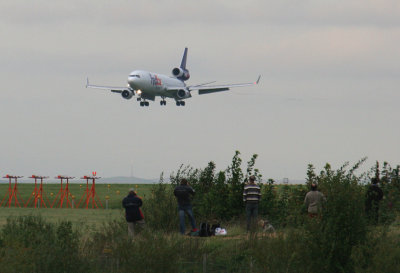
point(127, 94)
point(180, 73)
point(183, 94)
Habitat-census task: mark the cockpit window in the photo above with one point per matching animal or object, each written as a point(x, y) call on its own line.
point(135, 76)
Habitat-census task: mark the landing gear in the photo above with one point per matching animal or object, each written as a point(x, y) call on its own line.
point(180, 103)
point(163, 102)
point(143, 102)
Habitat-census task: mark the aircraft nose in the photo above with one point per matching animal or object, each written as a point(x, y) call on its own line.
point(132, 80)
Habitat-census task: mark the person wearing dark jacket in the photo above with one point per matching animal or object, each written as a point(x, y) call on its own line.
point(184, 193)
point(133, 214)
point(373, 197)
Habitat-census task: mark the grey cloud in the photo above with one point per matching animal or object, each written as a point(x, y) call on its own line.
point(338, 60)
point(174, 13)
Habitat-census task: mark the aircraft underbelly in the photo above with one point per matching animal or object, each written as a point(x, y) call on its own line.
point(153, 85)
point(150, 92)
point(161, 90)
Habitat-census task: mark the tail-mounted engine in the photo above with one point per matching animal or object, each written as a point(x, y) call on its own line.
point(181, 74)
point(127, 94)
point(183, 94)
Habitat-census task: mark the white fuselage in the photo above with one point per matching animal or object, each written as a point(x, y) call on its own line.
point(153, 84)
point(148, 85)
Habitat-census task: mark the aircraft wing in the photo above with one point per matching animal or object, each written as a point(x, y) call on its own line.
point(111, 88)
point(207, 89)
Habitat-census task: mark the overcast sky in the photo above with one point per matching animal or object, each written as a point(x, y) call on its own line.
point(329, 90)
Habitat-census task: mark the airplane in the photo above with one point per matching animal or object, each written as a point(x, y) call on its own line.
point(148, 85)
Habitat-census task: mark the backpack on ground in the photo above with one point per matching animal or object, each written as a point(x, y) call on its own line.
point(205, 230)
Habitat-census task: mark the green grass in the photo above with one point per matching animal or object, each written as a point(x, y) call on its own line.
point(116, 192)
point(78, 216)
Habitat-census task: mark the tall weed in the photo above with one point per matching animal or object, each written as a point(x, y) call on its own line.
point(161, 209)
point(29, 244)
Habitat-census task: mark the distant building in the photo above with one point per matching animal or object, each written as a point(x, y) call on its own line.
point(285, 180)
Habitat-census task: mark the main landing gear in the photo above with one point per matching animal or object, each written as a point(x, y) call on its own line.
point(180, 103)
point(144, 103)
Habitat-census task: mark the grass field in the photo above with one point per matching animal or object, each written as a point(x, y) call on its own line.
point(116, 192)
point(79, 217)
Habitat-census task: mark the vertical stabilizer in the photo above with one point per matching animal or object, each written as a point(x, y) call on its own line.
point(181, 72)
point(183, 63)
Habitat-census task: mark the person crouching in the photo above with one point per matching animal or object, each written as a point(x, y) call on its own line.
point(133, 214)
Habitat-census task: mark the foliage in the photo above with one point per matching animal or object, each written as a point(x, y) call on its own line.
point(112, 250)
point(219, 194)
point(29, 244)
point(389, 179)
point(380, 253)
point(160, 208)
point(339, 240)
point(282, 253)
point(342, 225)
point(311, 176)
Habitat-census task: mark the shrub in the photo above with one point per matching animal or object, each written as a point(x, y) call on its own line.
point(390, 183)
point(281, 253)
point(29, 244)
point(112, 250)
point(217, 196)
point(342, 224)
point(380, 252)
point(160, 209)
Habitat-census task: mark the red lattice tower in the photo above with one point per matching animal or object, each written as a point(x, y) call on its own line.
point(12, 192)
point(90, 195)
point(38, 193)
point(64, 193)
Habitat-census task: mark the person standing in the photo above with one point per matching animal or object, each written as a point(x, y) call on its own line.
point(373, 197)
point(184, 193)
point(314, 201)
point(133, 214)
point(251, 197)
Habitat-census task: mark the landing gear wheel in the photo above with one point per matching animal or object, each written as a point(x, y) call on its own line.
point(142, 103)
point(182, 103)
point(163, 102)
point(178, 103)
point(146, 103)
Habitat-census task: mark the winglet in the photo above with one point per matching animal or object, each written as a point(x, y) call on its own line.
point(258, 80)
